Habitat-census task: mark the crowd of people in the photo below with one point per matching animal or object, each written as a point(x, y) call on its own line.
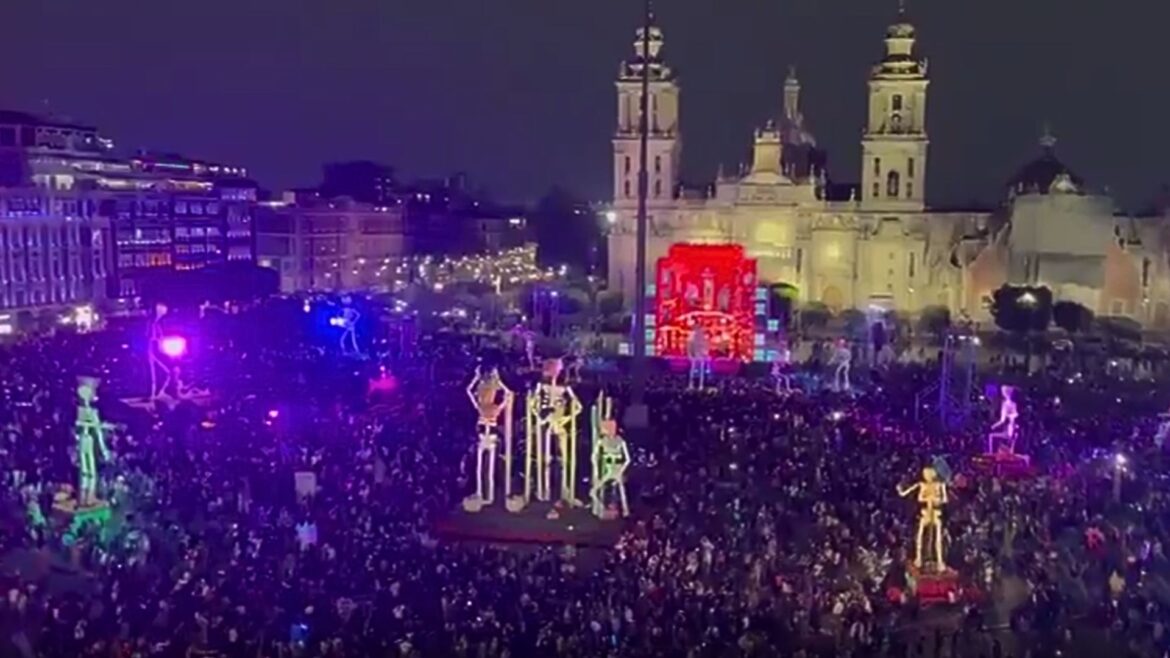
point(762, 524)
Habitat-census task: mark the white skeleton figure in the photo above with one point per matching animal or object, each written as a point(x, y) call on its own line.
point(91, 434)
point(841, 360)
point(154, 350)
point(530, 349)
point(1004, 430)
point(611, 458)
point(552, 412)
point(349, 320)
point(780, 369)
point(491, 399)
point(699, 354)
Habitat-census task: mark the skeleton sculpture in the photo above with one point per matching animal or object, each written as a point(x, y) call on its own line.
point(158, 366)
point(1004, 430)
point(491, 399)
point(699, 355)
point(781, 367)
point(349, 320)
point(610, 457)
point(91, 435)
point(841, 360)
point(932, 496)
point(552, 410)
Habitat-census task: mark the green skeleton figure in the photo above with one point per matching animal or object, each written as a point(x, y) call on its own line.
point(611, 457)
point(90, 430)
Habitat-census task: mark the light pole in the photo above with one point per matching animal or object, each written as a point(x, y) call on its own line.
point(637, 415)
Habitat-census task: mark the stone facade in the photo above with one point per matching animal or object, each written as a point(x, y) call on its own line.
point(877, 243)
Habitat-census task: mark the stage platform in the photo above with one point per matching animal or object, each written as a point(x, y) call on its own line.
point(1004, 464)
point(496, 525)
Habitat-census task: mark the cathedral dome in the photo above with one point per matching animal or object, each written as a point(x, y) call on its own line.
point(1046, 173)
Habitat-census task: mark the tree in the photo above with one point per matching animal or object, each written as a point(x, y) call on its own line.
point(1023, 310)
point(935, 320)
point(567, 232)
point(815, 315)
point(1072, 317)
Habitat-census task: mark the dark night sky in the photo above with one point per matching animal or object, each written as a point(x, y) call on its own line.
point(519, 93)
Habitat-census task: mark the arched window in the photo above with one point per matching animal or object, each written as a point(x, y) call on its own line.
point(658, 164)
point(627, 189)
point(897, 103)
point(657, 188)
point(893, 184)
point(626, 165)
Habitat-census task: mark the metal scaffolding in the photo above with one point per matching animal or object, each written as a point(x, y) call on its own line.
point(954, 393)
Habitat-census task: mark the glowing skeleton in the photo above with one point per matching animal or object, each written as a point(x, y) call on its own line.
point(552, 411)
point(932, 495)
point(698, 352)
point(491, 398)
point(841, 360)
point(611, 457)
point(91, 434)
point(780, 369)
point(1004, 430)
point(349, 320)
point(154, 350)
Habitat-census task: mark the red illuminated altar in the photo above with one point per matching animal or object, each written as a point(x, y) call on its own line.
point(712, 286)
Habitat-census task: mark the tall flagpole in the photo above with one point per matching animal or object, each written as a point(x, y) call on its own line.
point(637, 415)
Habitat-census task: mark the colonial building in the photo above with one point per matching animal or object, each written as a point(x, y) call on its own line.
point(876, 243)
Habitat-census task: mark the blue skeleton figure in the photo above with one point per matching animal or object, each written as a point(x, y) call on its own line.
point(349, 320)
point(91, 434)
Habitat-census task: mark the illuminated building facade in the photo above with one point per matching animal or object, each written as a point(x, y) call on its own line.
point(330, 244)
point(161, 212)
point(876, 243)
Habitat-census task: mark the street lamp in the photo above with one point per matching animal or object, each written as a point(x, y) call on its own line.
point(637, 415)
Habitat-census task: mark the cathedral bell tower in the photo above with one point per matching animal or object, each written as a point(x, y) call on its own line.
point(894, 145)
point(664, 144)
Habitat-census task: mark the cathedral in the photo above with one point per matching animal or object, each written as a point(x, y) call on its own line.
point(876, 244)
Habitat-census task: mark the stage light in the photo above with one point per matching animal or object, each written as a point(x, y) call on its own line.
point(1119, 459)
point(337, 322)
point(306, 307)
point(610, 217)
point(173, 346)
point(273, 413)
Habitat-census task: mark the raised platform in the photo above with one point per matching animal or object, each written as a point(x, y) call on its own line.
point(935, 587)
point(496, 525)
point(1004, 464)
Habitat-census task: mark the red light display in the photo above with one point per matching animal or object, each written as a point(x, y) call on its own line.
point(711, 286)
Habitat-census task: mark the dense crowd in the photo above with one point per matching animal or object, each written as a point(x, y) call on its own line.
point(762, 525)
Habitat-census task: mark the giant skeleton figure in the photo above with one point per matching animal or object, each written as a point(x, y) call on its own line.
point(1004, 430)
point(154, 353)
point(932, 496)
point(91, 434)
point(611, 458)
point(349, 320)
point(491, 399)
point(552, 410)
point(841, 360)
point(699, 354)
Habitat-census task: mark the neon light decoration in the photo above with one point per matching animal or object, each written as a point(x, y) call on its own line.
point(709, 287)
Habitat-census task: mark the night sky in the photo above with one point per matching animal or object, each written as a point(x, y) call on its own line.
point(519, 93)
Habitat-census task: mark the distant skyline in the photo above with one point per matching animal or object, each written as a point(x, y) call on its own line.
point(520, 94)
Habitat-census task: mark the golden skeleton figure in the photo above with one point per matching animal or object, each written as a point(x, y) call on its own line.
point(932, 496)
point(491, 399)
point(552, 410)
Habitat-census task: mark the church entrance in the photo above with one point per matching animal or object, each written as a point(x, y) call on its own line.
point(833, 298)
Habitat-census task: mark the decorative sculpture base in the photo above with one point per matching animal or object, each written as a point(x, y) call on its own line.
point(473, 504)
point(1004, 464)
point(72, 518)
point(934, 587)
point(531, 525)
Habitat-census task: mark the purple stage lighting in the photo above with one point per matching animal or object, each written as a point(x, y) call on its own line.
point(173, 346)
